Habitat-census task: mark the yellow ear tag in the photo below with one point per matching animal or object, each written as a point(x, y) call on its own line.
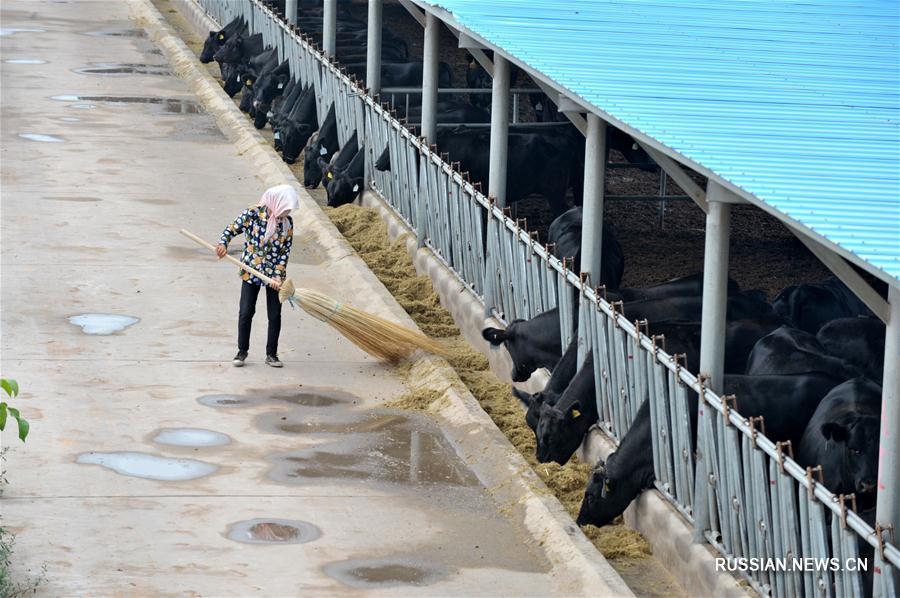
point(330, 176)
point(576, 413)
point(221, 37)
point(249, 83)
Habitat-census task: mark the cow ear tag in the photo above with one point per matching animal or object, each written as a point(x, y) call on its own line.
point(330, 176)
point(238, 78)
point(322, 151)
point(281, 86)
point(249, 82)
point(221, 37)
point(576, 413)
point(355, 188)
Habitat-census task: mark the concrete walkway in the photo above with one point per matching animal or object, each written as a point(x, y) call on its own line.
point(335, 494)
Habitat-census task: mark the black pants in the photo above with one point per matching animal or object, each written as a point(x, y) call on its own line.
point(249, 293)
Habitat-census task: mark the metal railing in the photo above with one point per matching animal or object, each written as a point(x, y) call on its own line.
point(743, 493)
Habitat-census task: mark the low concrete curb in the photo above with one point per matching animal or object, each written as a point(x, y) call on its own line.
point(692, 565)
point(576, 564)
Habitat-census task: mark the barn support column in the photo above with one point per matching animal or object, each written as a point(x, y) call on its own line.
point(712, 335)
point(373, 48)
point(329, 27)
point(594, 177)
point(430, 66)
point(290, 11)
point(499, 131)
point(887, 507)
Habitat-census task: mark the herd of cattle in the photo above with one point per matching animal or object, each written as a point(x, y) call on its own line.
point(809, 364)
point(544, 160)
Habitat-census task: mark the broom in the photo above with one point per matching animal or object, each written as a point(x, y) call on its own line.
point(376, 336)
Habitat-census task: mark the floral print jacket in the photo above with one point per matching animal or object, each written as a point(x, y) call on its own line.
point(272, 258)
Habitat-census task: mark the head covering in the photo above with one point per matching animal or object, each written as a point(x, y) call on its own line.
point(280, 201)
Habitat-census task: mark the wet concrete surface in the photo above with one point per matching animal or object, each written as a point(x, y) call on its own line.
point(42, 137)
point(385, 573)
point(148, 466)
point(170, 105)
point(190, 437)
point(115, 68)
point(103, 324)
point(273, 531)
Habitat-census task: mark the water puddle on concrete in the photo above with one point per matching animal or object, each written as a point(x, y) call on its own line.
point(193, 437)
point(114, 68)
point(116, 32)
point(226, 401)
point(42, 137)
point(4, 31)
point(383, 573)
point(379, 446)
point(169, 105)
point(151, 467)
point(273, 531)
point(77, 199)
point(24, 61)
point(70, 119)
point(102, 324)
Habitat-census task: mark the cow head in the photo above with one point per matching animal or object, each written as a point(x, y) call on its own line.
point(560, 432)
point(230, 51)
point(383, 162)
point(294, 138)
point(342, 188)
point(312, 172)
point(477, 77)
point(232, 78)
point(534, 404)
point(519, 349)
point(246, 104)
point(607, 497)
point(852, 454)
point(213, 42)
point(269, 86)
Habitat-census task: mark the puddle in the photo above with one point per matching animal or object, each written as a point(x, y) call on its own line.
point(4, 31)
point(72, 198)
point(377, 446)
point(318, 398)
point(40, 137)
point(110, 32)
point(25, 61)
point(70, 119)
point(112, 68)
point(197, 437)
point(171, 105)
point(226, 401)
point(83, 106)
point(102, 323)
point(381, 573)
point(273, 531)
point(151, 467)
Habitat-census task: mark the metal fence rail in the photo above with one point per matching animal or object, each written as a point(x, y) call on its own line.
point(745, 494)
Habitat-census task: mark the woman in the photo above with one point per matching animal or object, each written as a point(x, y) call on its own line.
point(268, 235)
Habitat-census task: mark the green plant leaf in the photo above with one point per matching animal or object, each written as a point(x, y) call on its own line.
point(24, 426)
point(2, 416)
point(15, 387)
point(11, 387)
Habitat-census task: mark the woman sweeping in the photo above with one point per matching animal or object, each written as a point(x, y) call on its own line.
point(268, 235)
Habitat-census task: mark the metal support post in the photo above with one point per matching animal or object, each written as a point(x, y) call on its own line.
point(373, 48)
point(329, 27)
point(594, 177)
point(887, 507)
point(290, 11)
point(430, 66)
point(499, 131)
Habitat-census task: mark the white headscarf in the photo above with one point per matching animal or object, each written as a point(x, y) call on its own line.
point(280, 201)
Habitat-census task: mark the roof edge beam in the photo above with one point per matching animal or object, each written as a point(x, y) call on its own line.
point(567, 104)
point(577, 119)
point(467, 42)
point(416, 12)
point(848, 276)
point(681, 178)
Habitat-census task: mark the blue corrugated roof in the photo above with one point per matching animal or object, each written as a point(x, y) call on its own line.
point(795, 103)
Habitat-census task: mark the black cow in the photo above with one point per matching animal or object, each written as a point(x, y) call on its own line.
point(240, 48)
point(217, 39)
point(561, 427)
point(686, 286)
point(689, 308)
point(283, 109)
point(565, 234)
point(842, 436)
point(786, 404)
point(348, 181)
point(322, 145)
point(478, 78)
point(810, 305)
point(403, 74)
point(787, 350)
point(531, 344)
point(270, 83)
point(259, 64)
point(859, 341)
point(339, 160)
point(300, 124)
point(559, 380)
point(232, 77)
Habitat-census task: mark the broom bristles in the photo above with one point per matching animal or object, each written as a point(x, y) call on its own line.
point(375, 335)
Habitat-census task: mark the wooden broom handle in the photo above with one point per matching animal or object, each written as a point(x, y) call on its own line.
point(230, 258)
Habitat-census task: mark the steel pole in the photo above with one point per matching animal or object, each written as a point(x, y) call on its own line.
point(499, 131)
point(430, 77)
point(594, 177)
point(887, 506)
point(290, 11)
point(373, 48)
point(329, 27)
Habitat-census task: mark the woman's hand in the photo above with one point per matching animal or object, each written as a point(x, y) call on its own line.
point(275, 284)
point(220, 251)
